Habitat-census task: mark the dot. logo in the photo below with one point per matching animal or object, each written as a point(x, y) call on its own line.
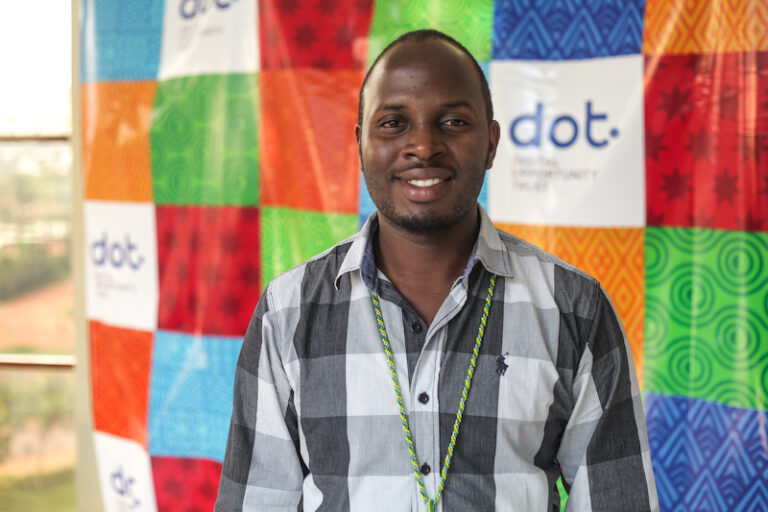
point(526, 130)
point(191, 8)
point(123, 484)
point(115, 253)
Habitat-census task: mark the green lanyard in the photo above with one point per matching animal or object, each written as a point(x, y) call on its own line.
point(432, 504)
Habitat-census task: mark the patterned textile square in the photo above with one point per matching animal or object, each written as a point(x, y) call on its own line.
point(706, 141)
point(706, 298)
point(206, 38)
point(692, 26)
point(208, 268)
point(316, 167)
point(614, 256)
point(125, 474)
point(185, 484)
point(470, 23)
point(190, 400)
point(205, 140)
point(325, 34)
point(116, 119)
point(121, 40)
point(567, 29)
point(571, 146)
point(120, 363)
point(707, 456)
point(291, 236)
point(121, 264)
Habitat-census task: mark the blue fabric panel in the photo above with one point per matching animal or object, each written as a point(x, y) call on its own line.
point(707, 456)
point(121, 40)
point(566, 29)
point(366, 206)
point(190, 398)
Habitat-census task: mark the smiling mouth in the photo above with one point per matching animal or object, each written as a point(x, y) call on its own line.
point(423, 183)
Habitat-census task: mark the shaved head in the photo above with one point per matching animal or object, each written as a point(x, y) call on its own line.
point(419, 36)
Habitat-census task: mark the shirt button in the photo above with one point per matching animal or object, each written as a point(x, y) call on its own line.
point(423, 398)
point(425, 469)
point(416, 327)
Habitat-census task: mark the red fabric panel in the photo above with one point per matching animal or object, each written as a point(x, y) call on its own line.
point(209, 270)
point(308, 152)
point(185, 485)
point(322, 34)
point(706, 121)
point(120, 366)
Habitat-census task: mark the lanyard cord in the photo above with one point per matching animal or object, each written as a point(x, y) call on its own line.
point(432, 503)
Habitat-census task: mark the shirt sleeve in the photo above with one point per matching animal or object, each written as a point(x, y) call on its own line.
point(604, 454)
point(262, 467)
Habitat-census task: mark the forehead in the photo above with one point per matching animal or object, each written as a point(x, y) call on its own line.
point(421, 71)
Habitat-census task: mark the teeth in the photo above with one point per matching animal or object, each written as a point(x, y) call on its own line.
point(425, 183)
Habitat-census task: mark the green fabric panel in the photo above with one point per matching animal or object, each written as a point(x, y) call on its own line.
point(205, 141)
point(289, 237)
point(563, 493)
point(469, 22)
point(706, 323)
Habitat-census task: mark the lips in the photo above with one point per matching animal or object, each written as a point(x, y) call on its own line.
point(421, 174)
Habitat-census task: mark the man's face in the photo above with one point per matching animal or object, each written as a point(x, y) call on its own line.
point(425, 141)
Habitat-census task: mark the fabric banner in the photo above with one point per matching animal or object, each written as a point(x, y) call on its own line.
point(218, 151)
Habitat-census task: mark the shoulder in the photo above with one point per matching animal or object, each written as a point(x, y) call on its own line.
point(291, 288)
point(572, 289)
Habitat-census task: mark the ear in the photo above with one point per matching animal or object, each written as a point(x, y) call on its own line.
point(358, 141)
point(494, 133)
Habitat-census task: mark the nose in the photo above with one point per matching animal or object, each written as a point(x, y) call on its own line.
point(423, 142)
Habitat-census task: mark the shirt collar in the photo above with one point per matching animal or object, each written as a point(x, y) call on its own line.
point(488, 250)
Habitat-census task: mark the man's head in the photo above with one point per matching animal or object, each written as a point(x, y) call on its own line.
point(425, 135)
point(418, 36)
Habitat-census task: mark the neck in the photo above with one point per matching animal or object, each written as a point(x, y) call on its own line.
point(424, 266)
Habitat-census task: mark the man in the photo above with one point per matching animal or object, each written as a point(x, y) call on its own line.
point(431, 362)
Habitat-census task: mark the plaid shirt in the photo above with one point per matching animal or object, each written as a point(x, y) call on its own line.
point(315, 424)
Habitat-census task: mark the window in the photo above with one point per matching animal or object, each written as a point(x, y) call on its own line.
point(37, 325)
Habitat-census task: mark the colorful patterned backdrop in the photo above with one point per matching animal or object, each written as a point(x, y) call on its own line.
point(218, 151)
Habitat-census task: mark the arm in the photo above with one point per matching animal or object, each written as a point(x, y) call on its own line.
point(262, 467)
point(604, 453)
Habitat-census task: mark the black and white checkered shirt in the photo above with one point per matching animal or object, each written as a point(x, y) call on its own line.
point(315, 424)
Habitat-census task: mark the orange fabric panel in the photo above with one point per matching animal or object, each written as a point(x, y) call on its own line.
point(614, 256)
point(698, 26)
point(308, 152)
point(116, 120)
point(120, 366)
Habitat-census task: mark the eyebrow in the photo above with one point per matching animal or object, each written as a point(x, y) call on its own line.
point(455, 104)
point(391, 106)
point(398, 107)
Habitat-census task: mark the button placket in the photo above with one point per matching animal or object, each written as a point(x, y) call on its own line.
point(425, 424)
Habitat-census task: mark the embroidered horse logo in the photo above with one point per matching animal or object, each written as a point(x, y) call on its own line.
point(501, 366)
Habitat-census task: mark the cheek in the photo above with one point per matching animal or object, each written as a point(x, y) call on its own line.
point(378, 158)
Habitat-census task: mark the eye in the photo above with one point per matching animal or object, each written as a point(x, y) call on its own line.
point(455, 123)
point(391, 125)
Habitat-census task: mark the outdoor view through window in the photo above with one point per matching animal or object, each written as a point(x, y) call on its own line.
point(37, 432)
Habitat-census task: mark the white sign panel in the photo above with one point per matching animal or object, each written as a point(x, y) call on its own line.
point(125, 475)
point(209, 37)
point(121, 264)
point(571, 149)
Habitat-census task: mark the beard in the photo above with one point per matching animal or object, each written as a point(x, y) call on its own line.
point(428, 222)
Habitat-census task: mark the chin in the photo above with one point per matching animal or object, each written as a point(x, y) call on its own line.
point(428, 223)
